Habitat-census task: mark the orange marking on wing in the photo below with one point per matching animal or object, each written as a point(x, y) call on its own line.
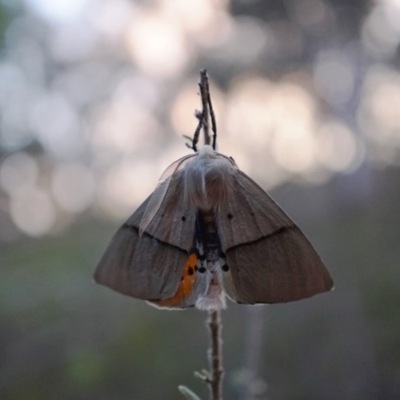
point(185, 286)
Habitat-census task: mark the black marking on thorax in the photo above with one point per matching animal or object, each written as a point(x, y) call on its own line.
point(206, 240)
point(206, 231)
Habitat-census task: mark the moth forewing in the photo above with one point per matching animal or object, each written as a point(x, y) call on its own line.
point(150, 266)
point(133, 266)
point(160, 192)
point(270, 259)
point(173, 223)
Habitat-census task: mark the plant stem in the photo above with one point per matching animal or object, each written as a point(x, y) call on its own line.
point(205, 96)
point(215, 355)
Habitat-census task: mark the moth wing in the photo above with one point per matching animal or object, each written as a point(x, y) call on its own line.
point(192, 286)
point(150, 267)
point(159, 193)
point(270, 259)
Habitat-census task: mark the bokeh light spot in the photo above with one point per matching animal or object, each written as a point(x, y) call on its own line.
point(58, 11)
point(379, 111)
point(157, 45)
point(379, 35)
point(310, 14)
point(124, 126)
point(249, 116)
point(55, 122)
point(336, 146)
point(18, 173)
point(73, 187)
point(125, 185)
point(33, 212)
point(334, 78)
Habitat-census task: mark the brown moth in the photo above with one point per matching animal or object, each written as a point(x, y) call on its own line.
point(206, 232)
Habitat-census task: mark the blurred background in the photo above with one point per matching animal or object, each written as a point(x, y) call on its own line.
point(95, 96)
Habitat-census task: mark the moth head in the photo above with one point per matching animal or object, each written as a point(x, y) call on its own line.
point(208, 179)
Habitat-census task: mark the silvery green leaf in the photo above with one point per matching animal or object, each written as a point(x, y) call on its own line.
point(188, 393)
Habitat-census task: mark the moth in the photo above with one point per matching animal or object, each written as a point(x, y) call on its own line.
point(208, 232)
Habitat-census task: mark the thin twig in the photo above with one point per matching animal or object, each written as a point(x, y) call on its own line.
point(215, 355)
point(213, 122)
point(203, 85)
point(204, 115)
point(199, 115)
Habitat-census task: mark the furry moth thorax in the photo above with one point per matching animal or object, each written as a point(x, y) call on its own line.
point(208, 179)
